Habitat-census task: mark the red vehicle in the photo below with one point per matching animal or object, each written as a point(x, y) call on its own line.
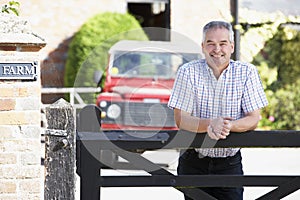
point(140, 76)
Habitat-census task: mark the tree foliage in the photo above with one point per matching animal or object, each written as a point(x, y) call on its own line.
point(12, 6)
point(285, 55)
point(88, 50)
point(281, 78)
point(271, 42)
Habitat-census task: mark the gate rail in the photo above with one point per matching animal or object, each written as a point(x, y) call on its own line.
point(74, 93)
point(92, 142)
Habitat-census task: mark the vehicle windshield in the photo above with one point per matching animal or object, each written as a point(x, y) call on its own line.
point(149, 64)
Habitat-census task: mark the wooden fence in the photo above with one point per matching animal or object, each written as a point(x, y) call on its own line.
point(91, 143)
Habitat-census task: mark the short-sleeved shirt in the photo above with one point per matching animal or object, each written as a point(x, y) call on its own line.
point(236, 92)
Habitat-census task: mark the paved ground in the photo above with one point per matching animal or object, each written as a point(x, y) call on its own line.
point(260, 161)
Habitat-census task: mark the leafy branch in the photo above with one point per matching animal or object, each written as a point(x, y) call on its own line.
point(13, 6)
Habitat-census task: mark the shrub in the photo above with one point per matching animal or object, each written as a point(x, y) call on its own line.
point(88, 50)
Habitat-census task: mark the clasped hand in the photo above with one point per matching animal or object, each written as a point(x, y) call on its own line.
point(219, 128)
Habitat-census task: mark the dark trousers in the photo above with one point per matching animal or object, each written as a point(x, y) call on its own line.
point(190, 163)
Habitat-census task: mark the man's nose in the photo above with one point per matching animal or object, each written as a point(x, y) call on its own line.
point(217, 47)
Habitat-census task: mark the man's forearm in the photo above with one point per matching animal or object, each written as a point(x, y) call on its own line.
point(194, 124)
point(245, 124)
point(187, 122)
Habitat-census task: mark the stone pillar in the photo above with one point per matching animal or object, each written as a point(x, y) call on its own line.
point(21, 175)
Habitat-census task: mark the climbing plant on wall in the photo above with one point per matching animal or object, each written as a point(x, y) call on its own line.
point(283, 84)
point(271, 42)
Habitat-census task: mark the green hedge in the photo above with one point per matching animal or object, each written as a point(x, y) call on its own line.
point(88, 50)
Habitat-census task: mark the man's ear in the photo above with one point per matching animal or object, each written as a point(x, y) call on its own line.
point(202, 45)
point(232, 47)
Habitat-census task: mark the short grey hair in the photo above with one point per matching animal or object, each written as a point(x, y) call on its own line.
point(218, 24)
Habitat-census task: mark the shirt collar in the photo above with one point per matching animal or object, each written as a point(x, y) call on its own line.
point(210, 71)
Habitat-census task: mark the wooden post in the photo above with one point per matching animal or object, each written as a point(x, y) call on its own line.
point(60, 151)
point(89, 166)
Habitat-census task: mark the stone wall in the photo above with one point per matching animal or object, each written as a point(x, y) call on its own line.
point(21, 176)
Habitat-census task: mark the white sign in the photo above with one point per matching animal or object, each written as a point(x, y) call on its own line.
point(20, 71)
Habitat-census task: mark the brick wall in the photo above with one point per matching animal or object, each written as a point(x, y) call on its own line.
point(57, 21)
point(20, 139)
point(21, 176)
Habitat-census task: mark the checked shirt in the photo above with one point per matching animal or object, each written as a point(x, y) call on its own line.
point(237, 91)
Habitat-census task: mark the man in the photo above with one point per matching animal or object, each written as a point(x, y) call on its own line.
point(216, 95)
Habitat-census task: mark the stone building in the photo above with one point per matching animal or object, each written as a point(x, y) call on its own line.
point(58, 21)
point(54, 23)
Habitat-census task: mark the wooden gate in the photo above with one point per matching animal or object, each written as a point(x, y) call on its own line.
point(92, 142)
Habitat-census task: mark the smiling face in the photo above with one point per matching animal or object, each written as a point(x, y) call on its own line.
point(217, 48)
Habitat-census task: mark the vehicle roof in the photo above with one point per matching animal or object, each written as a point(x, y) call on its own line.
point(155, 46)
